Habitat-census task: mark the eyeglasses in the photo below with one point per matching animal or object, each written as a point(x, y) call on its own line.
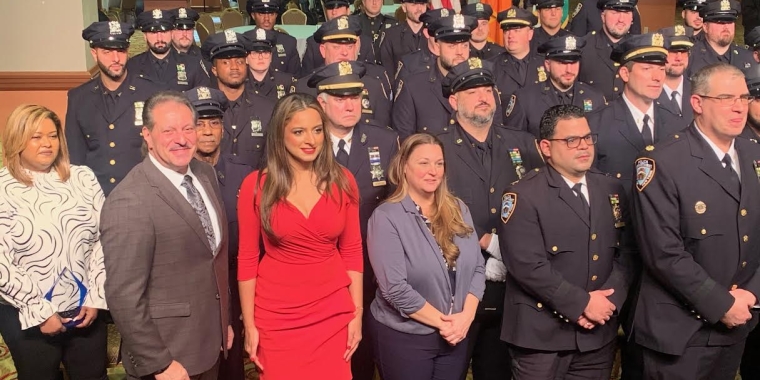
point(730, 100)
point(575, 141)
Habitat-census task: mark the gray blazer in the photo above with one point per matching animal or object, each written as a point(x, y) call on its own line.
point(168, 294)
point(410, 269)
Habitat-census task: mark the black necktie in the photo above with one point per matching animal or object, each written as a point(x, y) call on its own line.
point(734, 176)
point(674, 99)
point(342, 155)
point(522, 69)
point(646, 132)
point(579, 194)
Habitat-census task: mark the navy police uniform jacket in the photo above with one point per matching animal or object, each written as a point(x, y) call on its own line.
point(702, 54)
point(540, 36)
point(274, 86)
point(530, 103)
point(230, 173)
point(413, 63)
point(508, 80)
point(597, 69)
point(181, 72)
point(398, 41)
point(557, 253)
point(619, 140)
point(373, 28)
point(698, 239)
point(108, 142)
point(285, 57)
point(245, 126)
point(488, 52)
point(685, 112)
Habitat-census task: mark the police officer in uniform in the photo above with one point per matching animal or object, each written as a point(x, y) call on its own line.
point(586, 17)
point(264, 14)
point(404, 38)
point(365, 150)
point(753, 43)
point(424, 58)
point(312, 57)
point(696, 208)
point(247, 117)
point(485, 157)
point(339, 40)
point(374, 22)
point(550, 22)
point(692, 18)
point(479, 45)
point(569, 245)
point(752, 130)
point(183, 39)
point(518, 66)
point(636, 120)
point(162, 64)
point(718, 43)
point(420, 104)
point(262, 80)
point(104, 115)
point(563, 55)
point(676, 91)
point(230, 173)
point(597, 69)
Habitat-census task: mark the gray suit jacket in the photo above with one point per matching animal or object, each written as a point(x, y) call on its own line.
point(167, 292)
point(410, 269)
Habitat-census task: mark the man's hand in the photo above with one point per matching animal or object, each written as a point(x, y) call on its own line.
point(53, 325)
point(599, 308)
point(585, 323)
point(175, 372)
point(739, 313)
point(485, 241)
point(87, 315)
point(746, 297)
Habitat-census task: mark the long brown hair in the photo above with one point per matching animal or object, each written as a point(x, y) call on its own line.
point(278, 169)
point(446, 219)
point(21, 126)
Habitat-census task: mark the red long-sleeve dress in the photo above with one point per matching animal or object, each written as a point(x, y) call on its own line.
point(302, 305)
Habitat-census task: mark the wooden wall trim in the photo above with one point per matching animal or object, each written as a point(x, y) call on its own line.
point(42, 80)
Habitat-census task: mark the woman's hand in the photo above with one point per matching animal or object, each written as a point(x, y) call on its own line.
point(354, 335)
point(458, 328)
point(252, 345)
point(87, 315)
point(53, 325)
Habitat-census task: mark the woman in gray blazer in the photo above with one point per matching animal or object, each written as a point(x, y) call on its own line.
point(428, 266)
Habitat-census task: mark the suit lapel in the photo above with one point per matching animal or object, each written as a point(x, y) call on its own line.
point(358, 155)
point(667, 104)
point(660, 130)
point(626, 125)
point(709, 163)
point(169, 193)
point(499, 151)
point(566, 194)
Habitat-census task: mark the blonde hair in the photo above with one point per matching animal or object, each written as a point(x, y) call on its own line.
point(446, 219)
point(278, 170)
point(21, 126)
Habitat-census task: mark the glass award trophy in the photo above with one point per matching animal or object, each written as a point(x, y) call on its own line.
point(81, 290)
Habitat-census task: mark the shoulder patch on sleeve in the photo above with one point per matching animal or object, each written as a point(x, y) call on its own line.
point(511, 105)
point(508, 204)
point(645, 168)
point(577, 9)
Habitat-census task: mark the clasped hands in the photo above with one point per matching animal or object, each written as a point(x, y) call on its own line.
point(454, 327)
point(739, 313)
point(599, 309)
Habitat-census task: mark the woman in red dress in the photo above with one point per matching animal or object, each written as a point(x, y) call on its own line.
point(302, 301)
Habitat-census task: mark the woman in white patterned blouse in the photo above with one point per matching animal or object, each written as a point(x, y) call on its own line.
point(51, 261)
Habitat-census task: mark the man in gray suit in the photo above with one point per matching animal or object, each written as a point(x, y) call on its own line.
point(164, 236)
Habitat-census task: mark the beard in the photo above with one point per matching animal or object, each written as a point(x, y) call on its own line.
point(232, 83)
point(724, 41)
point(159, 50)
point(482, 119)
point(109, 73)
point(674, 71)
point(561, 83)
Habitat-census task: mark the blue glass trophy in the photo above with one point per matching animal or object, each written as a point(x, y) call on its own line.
point(81, 289)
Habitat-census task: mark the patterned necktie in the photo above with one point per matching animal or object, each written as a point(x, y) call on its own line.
point(194, 197)
point(674, 99)
point(646, 132)
point(342, 155)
